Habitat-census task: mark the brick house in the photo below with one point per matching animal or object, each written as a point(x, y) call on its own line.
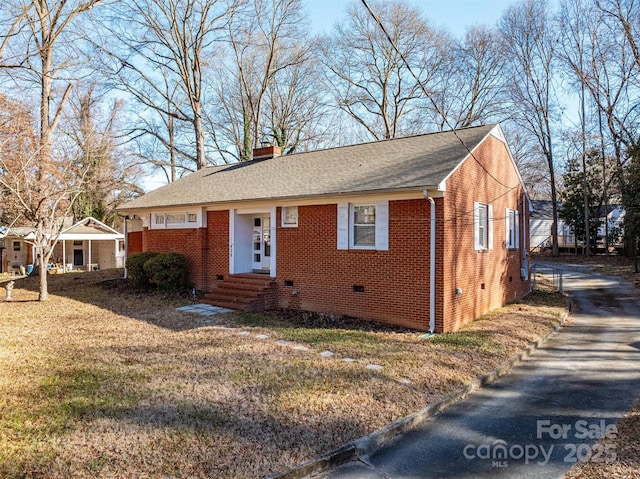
point(427, 231)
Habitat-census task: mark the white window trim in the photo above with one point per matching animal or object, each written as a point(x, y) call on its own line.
point(515, 243)
point(184, 225)
point(286, 211)
point(346, 225)
point(352, 225)
point(486, 241)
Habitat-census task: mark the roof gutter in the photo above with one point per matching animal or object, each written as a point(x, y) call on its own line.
point(415, 192)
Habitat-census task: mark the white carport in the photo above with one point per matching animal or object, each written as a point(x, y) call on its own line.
point(89, 244)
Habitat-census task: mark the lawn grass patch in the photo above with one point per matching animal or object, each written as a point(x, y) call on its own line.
point(104, 381)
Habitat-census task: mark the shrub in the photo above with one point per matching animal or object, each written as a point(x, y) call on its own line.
point(135, 268)
point(168, 271)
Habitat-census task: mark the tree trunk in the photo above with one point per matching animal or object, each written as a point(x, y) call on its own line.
point(201, 161)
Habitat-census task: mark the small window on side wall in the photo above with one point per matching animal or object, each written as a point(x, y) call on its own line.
point(16, 246)
point(289, 216)
point(511, 229)
point(482, 226)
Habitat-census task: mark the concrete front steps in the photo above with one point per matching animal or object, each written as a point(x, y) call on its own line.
point(243, 292)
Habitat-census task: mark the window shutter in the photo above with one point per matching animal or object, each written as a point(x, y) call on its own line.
point(382, 225)
point(490, 225)
point(343, 225)
point(517, 231)
point(476, 226)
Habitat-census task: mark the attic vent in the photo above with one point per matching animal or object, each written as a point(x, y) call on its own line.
point(288, 282)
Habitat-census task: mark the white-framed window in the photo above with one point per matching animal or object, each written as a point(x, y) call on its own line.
point(175, 219)
point(289, 216)
point(511, 229)
point(482, 226)
point(363, 225)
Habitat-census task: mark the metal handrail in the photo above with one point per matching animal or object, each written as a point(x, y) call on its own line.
point(555, 273)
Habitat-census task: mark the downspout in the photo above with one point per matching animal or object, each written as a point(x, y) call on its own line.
point(432, 265)
point(524, 273)
point(126, 247)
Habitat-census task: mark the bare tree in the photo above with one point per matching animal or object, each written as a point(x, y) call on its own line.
point(160, 44)
point(367, 76)
point(109, 179)
point(39, 49)
point(600, 51)
point(528, 30)
point(470, 86)
point(266, 54)
point(626, 14)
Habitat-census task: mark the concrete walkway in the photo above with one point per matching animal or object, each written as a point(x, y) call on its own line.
point(543, 416)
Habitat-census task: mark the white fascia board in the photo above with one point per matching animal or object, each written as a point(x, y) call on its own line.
point(92, 237)
point(259, 206)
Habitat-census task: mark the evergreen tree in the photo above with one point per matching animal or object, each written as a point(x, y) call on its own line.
point(572, 210)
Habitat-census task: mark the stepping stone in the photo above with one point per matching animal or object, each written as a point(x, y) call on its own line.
point(326, 354)
point(348, 360)
point(283, 342)
point(404, 381)
point(262, 336)
point(243, 333)
point(375, 367)
point(300, 347)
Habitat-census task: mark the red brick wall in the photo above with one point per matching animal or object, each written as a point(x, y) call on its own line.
point(134, 242)
point(488, 278)
point(218, 247)
point(192, 243)
point(395, 282)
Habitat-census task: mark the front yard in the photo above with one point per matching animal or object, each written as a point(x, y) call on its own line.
point(101, 382)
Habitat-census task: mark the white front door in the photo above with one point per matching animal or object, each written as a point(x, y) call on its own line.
point(261, 241)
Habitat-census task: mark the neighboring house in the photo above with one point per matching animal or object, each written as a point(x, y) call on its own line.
point(542, 219)
point(540, 227)
point(413, 231)
point(87, 244)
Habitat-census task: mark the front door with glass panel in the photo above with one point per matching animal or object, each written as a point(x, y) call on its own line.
point(261, 243)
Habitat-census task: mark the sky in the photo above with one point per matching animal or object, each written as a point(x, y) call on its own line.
point(453, 15)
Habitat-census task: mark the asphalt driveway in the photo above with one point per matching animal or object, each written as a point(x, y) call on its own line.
point(550, 411)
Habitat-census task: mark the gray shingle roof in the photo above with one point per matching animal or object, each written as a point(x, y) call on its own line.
point(403, 163)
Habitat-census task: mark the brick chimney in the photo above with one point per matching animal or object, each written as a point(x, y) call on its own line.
point(266, 152)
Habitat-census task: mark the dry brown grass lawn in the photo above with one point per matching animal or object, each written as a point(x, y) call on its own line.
point(626, 446)
point(99, 382)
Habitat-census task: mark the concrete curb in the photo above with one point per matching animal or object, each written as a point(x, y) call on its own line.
point(362, 446)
